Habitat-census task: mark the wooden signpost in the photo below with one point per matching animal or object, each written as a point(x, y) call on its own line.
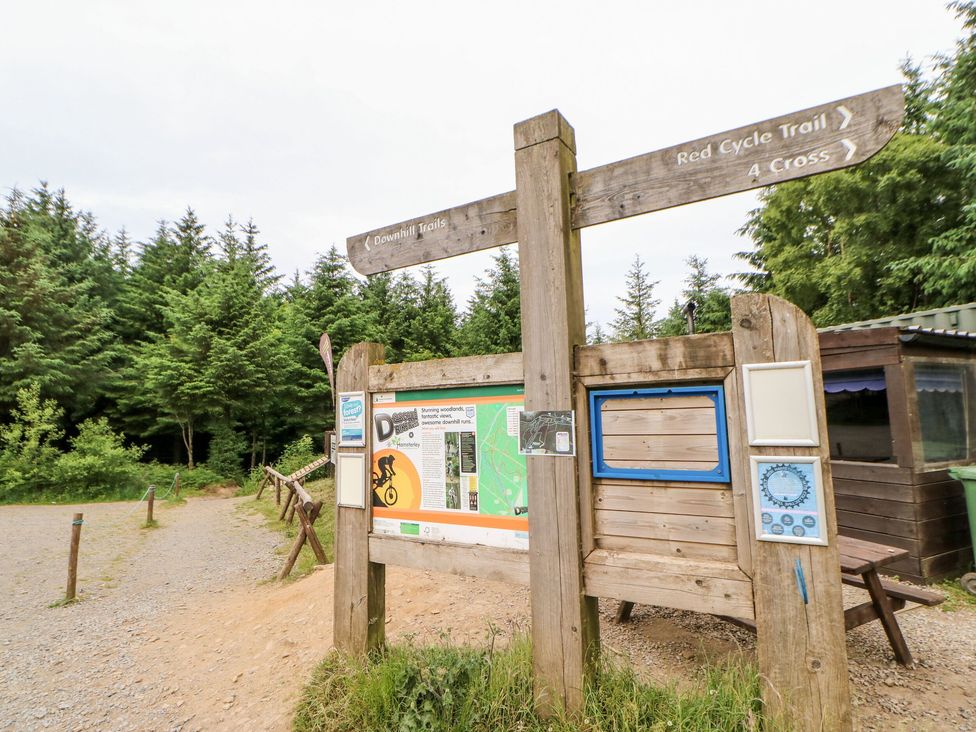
point(545, 213)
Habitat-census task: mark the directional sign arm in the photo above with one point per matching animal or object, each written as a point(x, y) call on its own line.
point(816, 140)
point(470, 227)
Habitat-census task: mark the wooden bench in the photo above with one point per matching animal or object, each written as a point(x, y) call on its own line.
point(859, 564)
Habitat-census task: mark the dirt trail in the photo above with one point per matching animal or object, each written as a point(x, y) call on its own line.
point(181, 631)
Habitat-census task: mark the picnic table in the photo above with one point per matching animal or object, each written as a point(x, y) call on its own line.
point(859, 564)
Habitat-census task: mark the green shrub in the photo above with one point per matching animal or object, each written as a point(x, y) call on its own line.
point(444, 687)
point(296, 455)
point(27, 451)
point(98, 464)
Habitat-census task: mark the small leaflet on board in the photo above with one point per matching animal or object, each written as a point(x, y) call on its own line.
point(352, 419)
point(547, 433)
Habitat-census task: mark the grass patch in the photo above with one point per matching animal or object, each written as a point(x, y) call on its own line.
point(956, 597)
point(446, 687)
point(64, 602)
point(152, 524)
point(320, 490)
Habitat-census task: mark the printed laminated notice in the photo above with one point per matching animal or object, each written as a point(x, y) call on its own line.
point(446, 466)
point(547, 433)
point(352, 419)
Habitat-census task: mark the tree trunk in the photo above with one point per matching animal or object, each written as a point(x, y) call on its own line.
point(186, 428)
point(254, 449)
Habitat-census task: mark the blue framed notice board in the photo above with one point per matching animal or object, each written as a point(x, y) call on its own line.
point(711, 424)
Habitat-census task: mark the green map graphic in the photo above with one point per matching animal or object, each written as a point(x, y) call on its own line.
point(501, 470)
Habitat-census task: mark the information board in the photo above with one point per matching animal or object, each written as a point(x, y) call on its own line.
point(446, 466)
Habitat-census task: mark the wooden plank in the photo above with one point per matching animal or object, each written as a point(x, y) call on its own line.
point(898, 415)
point(745, 528)
point(810, 684)
point(874, 506)
point(871, 472)
point(873, 490)
point(492, 563)
point(489, 222)
point(666, 407)
point(695, 421)
point(665, 547)
point(949, 506)
point(673, 527)
point(932, 567)
point(663, 499)
point(359, 595)
point(665, 377)
point(869, 358)
point(740, 159)
point(667, 565)
point(935, 491)
point(835, 339)
point(880, 524)
point(565, 622)
point(500, 368)
point(899, 590)
point(681, 591)
point(661, 354)
point(900, 542)
point(671, 448)
point(936, 540)
point(873, 553)
point(662, 464)
point(585, 469)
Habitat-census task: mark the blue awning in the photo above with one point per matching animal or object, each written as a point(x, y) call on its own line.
point(854, 381)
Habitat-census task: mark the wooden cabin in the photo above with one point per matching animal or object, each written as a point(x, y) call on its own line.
point(901, 409)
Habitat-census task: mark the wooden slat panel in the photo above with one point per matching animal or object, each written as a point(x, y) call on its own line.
point(663, 499)
point(831, 340)
point(501, 368)
point(664, 547)
point(869, 358)
point(605, 575)
point(686, 352)
point(940, 507)
point(667, 565)
point(935, 491)
point(493, 563)
point(897, 541)
point(697, 448)
point(938, 564)
point(937, 539)
point(674, 527)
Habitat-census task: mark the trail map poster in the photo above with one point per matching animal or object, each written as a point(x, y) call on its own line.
point(446, 466)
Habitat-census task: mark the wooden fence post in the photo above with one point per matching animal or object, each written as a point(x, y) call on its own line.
point(801, 644)
point(565, 623)
point(76, 523)
point(149, 505)
point(360, 585)
point(176, 490)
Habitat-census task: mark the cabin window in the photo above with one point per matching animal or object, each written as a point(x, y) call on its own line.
point(858, 422)
point(943, 394)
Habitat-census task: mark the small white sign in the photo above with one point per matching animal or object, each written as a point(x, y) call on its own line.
point(781, 408)
point(351, 479)
point(385, 397)
point(351, 419)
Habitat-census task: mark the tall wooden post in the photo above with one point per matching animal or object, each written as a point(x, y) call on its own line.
point(565, 624)
point(149, 505)
point(360, 585)
point(802, 651)
point(69, 593)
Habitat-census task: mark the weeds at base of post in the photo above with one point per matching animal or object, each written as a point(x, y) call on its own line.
point(154, 524)
point(64, 602)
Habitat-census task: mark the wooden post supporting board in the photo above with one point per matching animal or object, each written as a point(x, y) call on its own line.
point(76, 523)
point(565, 625)
point(802, 652)
point(360, 585)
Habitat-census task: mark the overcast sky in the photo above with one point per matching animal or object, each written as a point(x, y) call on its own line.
point(321, 120)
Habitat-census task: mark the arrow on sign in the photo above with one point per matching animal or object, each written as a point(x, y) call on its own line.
point(846, 114)
point(850, 147)
point(774, 151)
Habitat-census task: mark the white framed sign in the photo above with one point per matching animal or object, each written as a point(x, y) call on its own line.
point(788, 499)
point(351, 479)
point(351, 419)
point(781, 407)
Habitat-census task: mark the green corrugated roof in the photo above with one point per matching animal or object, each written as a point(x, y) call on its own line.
point(952, 320)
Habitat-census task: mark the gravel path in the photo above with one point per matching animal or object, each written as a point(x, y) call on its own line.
point(75, 667)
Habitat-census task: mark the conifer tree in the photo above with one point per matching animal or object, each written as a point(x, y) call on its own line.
point(635, 319)
point(713, 310)
point(493, 320)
